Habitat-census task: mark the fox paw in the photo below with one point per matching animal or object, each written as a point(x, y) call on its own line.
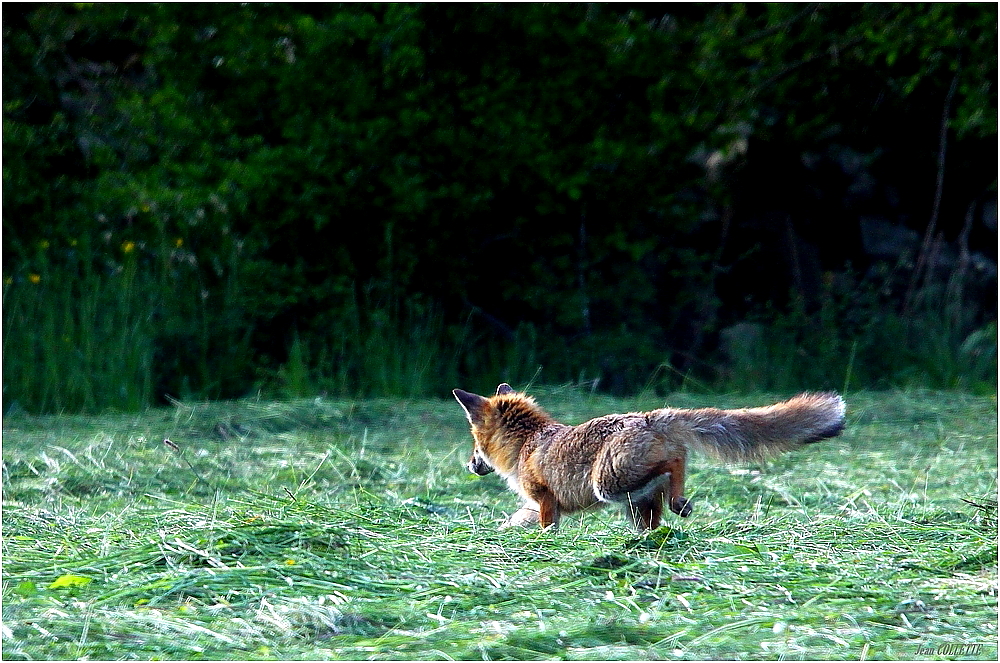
point(523, 517)
point(681, 506)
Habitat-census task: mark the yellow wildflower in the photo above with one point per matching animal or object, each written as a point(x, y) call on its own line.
point(35, 278)
point(128, 247)
point(179, 242)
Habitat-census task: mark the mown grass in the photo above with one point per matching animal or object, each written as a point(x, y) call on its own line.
point(320, 529)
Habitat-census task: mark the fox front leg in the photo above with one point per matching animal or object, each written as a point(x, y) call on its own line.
point(548, 511)
point(548, 505)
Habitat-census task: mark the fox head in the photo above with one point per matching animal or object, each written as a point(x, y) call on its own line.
point(500, 426)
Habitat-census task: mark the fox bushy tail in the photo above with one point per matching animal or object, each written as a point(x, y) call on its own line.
point(760, 432)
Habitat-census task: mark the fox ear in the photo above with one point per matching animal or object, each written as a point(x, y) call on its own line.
point(473, 404)
point(504, 389)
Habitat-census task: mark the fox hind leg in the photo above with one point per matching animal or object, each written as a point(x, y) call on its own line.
point(644, 512)
point(678, 503)
point(644, 473)
point(644, 507)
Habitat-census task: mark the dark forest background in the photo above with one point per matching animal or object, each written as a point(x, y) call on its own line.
point(217, 200)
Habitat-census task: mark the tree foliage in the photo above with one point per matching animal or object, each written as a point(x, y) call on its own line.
point(589, 187)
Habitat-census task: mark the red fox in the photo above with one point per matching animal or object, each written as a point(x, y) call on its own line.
point(635, 460)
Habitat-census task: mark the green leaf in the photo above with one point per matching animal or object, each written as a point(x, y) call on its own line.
point(70, 580)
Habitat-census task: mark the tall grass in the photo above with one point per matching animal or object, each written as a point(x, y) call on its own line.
point(90, 328)
point(400, 348)
point(79, 340)
point(855, 337)
point(84, 336)
point(124, 326)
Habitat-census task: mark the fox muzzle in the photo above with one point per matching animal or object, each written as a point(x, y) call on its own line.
point(478, 465)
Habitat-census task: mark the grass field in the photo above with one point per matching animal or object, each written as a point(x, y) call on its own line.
point(321, 529)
